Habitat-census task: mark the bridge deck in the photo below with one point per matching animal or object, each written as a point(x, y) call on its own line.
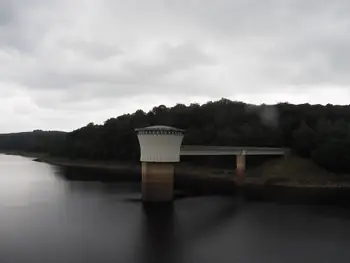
point(230, 150)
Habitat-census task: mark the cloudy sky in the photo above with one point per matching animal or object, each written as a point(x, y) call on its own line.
point(65, 63)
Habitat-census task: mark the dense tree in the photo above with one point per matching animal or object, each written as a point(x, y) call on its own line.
point(313, 131)
point(36, 141)
point(304, 140)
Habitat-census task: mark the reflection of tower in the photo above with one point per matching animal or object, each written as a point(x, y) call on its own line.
point(159, 242)
point(160, 149)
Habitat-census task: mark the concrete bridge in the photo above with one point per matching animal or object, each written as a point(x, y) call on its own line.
point(230, 150)
point(161, 147)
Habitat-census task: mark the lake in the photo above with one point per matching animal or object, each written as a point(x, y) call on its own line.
point(53, 214)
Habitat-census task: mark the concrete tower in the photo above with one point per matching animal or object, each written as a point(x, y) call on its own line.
point(160, 149)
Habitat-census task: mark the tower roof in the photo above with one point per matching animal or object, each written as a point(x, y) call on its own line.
point(159, 128)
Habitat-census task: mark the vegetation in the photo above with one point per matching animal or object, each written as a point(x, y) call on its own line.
point(33, 142)
point(320, 133)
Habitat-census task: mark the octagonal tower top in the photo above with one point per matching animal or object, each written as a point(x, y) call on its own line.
point(160, 143)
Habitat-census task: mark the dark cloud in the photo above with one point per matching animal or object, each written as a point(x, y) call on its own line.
point(69, 62)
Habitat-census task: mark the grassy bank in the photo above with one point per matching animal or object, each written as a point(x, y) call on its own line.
point(296, 172)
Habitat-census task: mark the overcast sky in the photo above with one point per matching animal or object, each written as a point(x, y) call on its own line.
point(65, 63)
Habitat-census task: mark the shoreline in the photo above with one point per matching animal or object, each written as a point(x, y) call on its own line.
point(120, 166)
point(185, 172)
point(196, 172)
point(197, 181)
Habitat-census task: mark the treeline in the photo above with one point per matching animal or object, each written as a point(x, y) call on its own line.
point(37, 141)
point(321, 133)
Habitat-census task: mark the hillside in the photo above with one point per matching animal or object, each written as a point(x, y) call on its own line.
point(317, 133)
point(314, 132)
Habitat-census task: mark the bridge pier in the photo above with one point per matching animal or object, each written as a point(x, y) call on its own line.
point(160, 150)
point(240, 168)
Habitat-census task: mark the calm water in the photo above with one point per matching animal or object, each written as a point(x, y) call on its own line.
point(46, 217)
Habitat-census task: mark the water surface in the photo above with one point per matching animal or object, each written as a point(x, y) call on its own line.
point(51, 214)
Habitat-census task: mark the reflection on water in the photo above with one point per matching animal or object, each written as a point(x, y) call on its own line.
point(51, 214)
point(159, 242)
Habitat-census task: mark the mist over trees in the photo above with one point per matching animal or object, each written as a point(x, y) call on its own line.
point(321, 133)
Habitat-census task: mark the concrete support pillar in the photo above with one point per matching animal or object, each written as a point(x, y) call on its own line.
point(160, 150)
point(240, 168)
point(157, 182)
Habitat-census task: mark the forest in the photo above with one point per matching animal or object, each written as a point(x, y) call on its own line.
point(317, 132)
point(37, 141)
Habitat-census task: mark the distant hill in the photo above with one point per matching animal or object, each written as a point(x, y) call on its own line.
point(36, 141)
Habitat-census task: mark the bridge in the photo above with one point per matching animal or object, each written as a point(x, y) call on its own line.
point(161, 147)
point(230, 150)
